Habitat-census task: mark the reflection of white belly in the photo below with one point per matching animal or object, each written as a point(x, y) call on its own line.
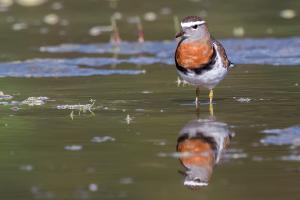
point(207, 79)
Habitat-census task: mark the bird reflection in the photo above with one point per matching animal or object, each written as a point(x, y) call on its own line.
point(200, 145)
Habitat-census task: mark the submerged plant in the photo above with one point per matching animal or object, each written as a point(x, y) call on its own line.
point(35, 101)
point(5, 96)
point(78, 107)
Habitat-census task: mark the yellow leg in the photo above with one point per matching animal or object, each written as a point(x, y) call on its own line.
point(211, 110)
point(211, 107)
point(211, 96)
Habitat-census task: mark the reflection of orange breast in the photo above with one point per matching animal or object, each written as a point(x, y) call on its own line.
point(201, 152)
point(192, 55)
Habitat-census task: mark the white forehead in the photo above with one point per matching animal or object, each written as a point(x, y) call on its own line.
point(190, 24)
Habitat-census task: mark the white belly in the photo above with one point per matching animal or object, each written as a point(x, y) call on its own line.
point(207, 79)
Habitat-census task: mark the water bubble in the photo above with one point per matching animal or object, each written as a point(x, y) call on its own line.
point(27, 168)
point(44, 30)
point(150, 16)
point(19, 26)
point(64, 22)
point(203, 13)
point(51, 19)
point(117, 16)
point(93, 187)
point(6, 3)
point(97, 30)
point(269, 31)
point(238, 31)
point(165, 11)
point(126, 181)
point(288, 14)
point(73, 147)
point(133, 19)
point(29, 3)
point(10, 19)
point(57, 6)
point(147, 92)
point(99, 139)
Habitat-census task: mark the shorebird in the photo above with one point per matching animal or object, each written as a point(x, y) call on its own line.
point(200, 59)
point(201, 144)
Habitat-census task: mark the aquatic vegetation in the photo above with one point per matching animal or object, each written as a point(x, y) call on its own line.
point(5, 96)
point(242, 99)
point(128, 119)
point(73, 147)
point(80, 107)
point(35, 101)
point(100, 139)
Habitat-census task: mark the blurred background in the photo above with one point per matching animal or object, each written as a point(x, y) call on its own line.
point(28, 24)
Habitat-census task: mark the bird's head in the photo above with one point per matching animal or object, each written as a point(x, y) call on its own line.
point(193, 27)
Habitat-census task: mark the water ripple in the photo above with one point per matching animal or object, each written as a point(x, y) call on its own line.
point(286, 136)
point(63, 68)
point(269, 51)
point(272, 51)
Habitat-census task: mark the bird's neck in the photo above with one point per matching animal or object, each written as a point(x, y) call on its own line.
point(205, 40)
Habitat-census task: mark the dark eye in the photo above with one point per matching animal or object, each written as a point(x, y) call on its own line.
point(195, 26)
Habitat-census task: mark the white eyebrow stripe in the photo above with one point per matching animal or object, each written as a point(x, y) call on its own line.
point(190, 24)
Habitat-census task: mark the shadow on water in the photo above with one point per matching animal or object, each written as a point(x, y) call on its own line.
point(201, 144)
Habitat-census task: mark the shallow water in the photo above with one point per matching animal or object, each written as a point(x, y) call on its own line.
point(45, 152)
point(84, 119)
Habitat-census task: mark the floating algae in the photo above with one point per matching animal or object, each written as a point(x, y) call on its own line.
point(79, 107)
point(99, 139)
point(35, 101)
point(5, 96)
